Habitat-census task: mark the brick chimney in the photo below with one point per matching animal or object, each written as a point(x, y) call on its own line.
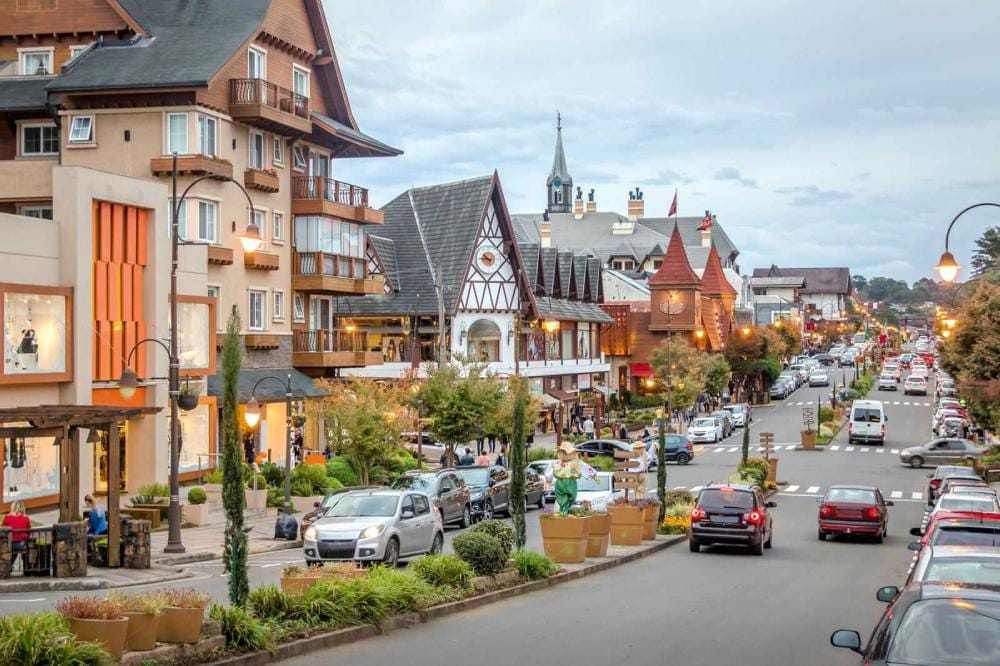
point(591, 204)
point(578, 205)
point(636, 205)
point(545, 233)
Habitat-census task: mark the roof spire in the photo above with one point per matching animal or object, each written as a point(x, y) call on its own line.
point(559, 182)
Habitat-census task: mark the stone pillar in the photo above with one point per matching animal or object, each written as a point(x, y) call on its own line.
point(6, 558)
point(136, 544)
point(69, 550)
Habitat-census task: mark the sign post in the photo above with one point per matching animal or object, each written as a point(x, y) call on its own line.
point(624, 478)
point(767, 448)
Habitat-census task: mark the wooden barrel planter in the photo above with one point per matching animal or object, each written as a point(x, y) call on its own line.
point(110, 634)
point(626, 525)
point(142, 628)
point(808, 439)
point(180, 625)
point(598, 534)
point(564, 538)
point(650, 515)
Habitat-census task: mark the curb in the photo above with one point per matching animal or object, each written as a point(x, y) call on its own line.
point(89, 583)
point(353, 634)
point(206, 557)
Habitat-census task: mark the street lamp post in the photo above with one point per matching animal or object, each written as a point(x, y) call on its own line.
point(129, 381)
point(947, 267)
point(252, 417)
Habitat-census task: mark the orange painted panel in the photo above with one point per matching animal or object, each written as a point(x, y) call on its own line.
point(114, 291)
point(131, 229)
point(118, 350)
point(103, 341)
point(110, 397)
point(139, 363)
point(142, 222)
point(100, 290)
point(129, 341)
point(118, 233)
point(104, 249)
point(95, 228)
point(128, 270)
point(137, 286)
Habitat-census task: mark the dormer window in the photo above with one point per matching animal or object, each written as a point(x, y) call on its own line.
point(35, 62)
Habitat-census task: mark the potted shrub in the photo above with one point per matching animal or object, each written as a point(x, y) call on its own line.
point(180, 621)
point(650, 514)
point(256, 499)
point(627, 518)
point(95, 620)
point(143, 613)
point(197, 510)
point(296, 580)
point(213, 486)
point(564, 538)
point(809, 431)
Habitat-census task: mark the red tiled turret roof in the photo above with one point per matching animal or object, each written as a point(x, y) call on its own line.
point(675, 269)
point(713, 280)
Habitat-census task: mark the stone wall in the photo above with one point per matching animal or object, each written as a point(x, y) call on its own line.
point(5, 552)
point(70, 550)
point(136, 544)
point(267, 358)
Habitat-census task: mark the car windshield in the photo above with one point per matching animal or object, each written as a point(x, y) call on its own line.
point(332, 500)
point(965, 536)
point(723, 498)
point(888, 378)
point(474, 477)
point(541, 468)
point(948, 631)
point(966, 503)
point(601, 483)
point(867, 415)
point(859, 495)
point(424, 482)
point(977, 570)
point(364, 505)
point(733, 408)
point(703, 423)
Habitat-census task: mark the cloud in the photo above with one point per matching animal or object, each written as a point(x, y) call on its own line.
point(732, 173)
point(811, 195)
point(666, 177)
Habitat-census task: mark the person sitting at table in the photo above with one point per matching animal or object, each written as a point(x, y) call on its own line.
point(19, 524)
point(97, 518)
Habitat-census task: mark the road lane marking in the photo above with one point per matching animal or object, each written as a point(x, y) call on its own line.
point(21, 601)
point(848, 448)
point(894, 451)
point(835, 447)
point(791, 489)
point(799, 404)
point(719, 450)
point(917, 496)
point(789, 404)
point(896, 403)
point(812, 489)
point(734, 449)
point(879, 450)
point(896, 494)
point(679, 488)
point(906, 404)
point(864, 449)
point(814, 496)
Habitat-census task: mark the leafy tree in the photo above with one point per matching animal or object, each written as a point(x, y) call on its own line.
point(681, 366)
point(520, 425)
point(458, 400)
point(973, 350)
point(717, 374)
point(987, 252)
point(501, 419)
point(235, 550)
point(859, 282)
point(790, 337)
point(367, 422)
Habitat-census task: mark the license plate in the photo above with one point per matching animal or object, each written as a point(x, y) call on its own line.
point(849, 515)
point(726, 520)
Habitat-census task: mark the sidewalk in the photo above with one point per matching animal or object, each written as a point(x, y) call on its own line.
point(205, 543)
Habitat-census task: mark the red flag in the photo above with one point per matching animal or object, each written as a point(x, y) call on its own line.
point(673, 206)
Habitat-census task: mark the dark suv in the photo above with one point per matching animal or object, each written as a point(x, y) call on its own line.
point(489, 489)
point(447, 490)
point(731, 514)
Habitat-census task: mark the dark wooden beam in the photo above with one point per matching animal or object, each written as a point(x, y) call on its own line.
point(114, 491)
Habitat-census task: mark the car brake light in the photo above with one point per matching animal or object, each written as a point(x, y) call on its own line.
point(872, 513)
point(688, 446)
point(754, 517)
point(826, 510)
point(935, 483)
point(697, 515)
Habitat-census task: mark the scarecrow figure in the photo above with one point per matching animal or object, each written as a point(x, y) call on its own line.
point(567, 469)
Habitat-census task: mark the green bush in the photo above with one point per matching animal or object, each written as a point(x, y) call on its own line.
point(540, 454)
point(155, 490)
point(533, 565)
point(276, 497)
point(274, 474)
point(197, 496)
point(825, 414)
point(484, 553)
point(308, 480)
point(442, 570)
point(754, 471)
point(401, 461)
point(602, 463)
point(269, 603)
point(851, 394)
point(214, 477)
point(499, 530)
point(43, 639)
point(340, 469)
point(322, 604)
point(679, 497)
point(403, 591)
point(241, 629)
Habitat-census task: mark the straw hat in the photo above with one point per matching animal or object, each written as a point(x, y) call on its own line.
point(566, 448)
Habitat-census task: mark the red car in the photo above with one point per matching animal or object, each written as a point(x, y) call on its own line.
point(853, 510)
point(962, 528)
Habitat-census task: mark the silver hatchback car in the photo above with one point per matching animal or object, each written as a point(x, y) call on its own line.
point(379, 525)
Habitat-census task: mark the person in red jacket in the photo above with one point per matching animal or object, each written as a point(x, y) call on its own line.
point(19, 524)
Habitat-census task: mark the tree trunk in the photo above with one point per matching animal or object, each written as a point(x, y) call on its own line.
point(517, 464)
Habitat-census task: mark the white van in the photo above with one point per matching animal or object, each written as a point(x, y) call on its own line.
point(867, 422)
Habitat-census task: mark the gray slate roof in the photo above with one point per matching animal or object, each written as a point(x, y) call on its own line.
point(565, 310)
point(777, 281)
point(268, 391)
point(23, 93)
point(360, 137)
point(826, 280)
point(559, 169)
point(189, 42)
point(386, 249)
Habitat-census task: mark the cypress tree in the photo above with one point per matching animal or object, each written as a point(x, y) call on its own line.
point(517, 462)
point(235, 553)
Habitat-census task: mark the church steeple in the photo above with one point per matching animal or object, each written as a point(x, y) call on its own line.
point(559, 182)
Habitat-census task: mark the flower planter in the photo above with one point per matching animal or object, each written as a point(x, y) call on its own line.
point(180, 625)
point(142, 628)
point(298, 584)
point(772, 470)
point(808, 439)
point(564, 538)
point(187, 401)
point(108, 633)
point(305, 504)
point(626, 525)
point(256, 499)
point(196, 514)
point(213, 491)
point(598, 534)
point(650, 515)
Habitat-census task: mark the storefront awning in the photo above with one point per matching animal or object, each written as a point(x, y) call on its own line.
point(607, 391)
point(549, 401)
point(269, 390)
point(562, 396)
point(640, 369)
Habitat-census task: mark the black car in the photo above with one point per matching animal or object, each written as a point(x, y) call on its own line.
point(932, 623)
point(447, 491)
point(731, 514)
point(941, 472)
point(678, 449)
point(824, 359)
point(489, 489)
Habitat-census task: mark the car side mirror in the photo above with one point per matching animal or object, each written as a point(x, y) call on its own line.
point(913, 545)
point(407, 513)
point(846, 638)
point(771, 505)
point(819, 500)
point(887, 593)
point(930, 476)
point(442, 492)
point(315, 505)
point(890, 503)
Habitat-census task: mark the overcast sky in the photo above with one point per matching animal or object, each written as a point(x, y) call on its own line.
point(820, 133)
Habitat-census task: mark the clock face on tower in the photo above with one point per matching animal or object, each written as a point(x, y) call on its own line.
point(556, 183)
point(488, 258)
point(672, 307)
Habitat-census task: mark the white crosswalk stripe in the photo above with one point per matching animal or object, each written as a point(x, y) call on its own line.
point(678, 487)
point(789, 404)
point(896, 494)
point(791, 489)
point(896, 403)
point(880, 450)
point(812, 489)
point(864, 449)
point(927, 404)
point(917, 496)
point(894, 451)
point(800, 404)
point(734, 449)
point(848, 448)
point(835, 447)
point(906, 404)
point(719, 449)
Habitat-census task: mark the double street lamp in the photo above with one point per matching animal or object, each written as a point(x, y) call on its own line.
point(129, 382)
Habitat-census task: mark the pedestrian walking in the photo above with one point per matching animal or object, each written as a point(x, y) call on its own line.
point(467, 458)
point(479, 442)
point(622, 431)
point(502, 456)
point(492, 439)
point(588, 427)
point(97, 518)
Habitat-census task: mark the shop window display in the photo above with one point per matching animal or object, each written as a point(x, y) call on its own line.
point(195, 430)
point(30, 468)
point(194, 335)
point(34, 333)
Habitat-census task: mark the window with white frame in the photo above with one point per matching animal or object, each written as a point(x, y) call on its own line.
point(260, 219)
point(278, 305)
point(81, 129)
point(177, 133)
point(77, 49)
point(257, 312)
point(298, 308)
point(38, 212)
point(298, 158)
point(207, 134)
point(215, 291)
point(256, 63)
point(278, 228)
point(256, 150)
point(35, 61)
point(208, 221)
point(39, 139)
point(182, 218)
point(300, 81)
point(278, 151)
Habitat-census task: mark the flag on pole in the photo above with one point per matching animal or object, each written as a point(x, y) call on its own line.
point(673, 206)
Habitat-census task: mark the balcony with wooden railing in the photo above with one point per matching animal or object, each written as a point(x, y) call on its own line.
point(333, 273)
point(332, 348)
point(263, 104)
point(318, 195)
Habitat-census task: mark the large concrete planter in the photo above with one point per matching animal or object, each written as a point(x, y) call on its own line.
point(626, 525)
point(180, 625)
point(108, 633)
point(650, 514)
point(305, 504)
point(564, 538)
point(256, 499)
point(598, 534)
point(196, 514)
point(213, 491)
point(808, 439)
point(142, 628)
